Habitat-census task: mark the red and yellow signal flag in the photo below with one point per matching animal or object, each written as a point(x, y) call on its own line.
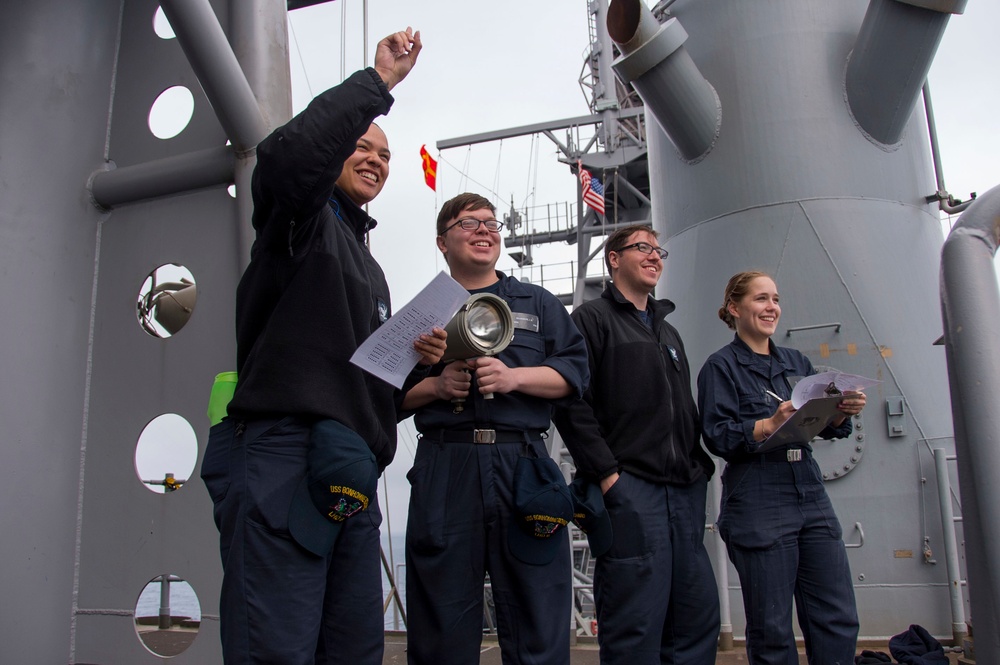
point(430, 168)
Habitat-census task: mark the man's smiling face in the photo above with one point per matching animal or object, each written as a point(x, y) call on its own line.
point(366, 170)
point(633, 269)
point(466, 250)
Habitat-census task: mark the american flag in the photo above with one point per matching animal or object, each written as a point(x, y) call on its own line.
point(593, 191)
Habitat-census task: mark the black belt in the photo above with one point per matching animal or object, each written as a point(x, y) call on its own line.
point(486, 436)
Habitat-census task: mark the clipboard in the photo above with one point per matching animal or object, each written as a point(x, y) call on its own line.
point(804, 424)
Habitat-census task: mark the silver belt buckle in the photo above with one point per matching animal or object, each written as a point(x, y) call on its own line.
point(484, 436)
point(793, 454)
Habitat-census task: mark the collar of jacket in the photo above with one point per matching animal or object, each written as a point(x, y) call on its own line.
point(351, 213)
point(660, 308)
point(746, 356)
point(510, 287)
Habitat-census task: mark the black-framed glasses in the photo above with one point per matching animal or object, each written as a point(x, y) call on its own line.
point(470, 224)
point(646, 248)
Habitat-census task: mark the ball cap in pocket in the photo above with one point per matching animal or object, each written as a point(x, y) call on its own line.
point(542, 509)
point(341, 480)
point(591, 516)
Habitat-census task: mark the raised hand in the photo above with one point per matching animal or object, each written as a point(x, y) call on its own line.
point(396, 54)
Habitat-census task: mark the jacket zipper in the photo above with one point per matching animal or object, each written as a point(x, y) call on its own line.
point(291, 232)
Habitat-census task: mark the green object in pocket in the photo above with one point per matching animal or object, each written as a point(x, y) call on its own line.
point(222, 393)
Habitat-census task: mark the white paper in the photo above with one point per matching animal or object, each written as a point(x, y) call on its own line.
point(389, 352)
point(812, 387)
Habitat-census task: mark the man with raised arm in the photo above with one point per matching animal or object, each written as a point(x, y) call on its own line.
point(292, 471)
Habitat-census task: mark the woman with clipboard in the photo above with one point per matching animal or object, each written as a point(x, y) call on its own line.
point(777, 521)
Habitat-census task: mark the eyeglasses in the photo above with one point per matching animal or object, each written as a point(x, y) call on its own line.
point(470, 224)
point(646, 248)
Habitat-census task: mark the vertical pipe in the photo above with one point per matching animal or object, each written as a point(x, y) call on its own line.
point(164, 616)
point(606, 99)
point(722, 574)
point(582, 247)
point(260, 41)
point(259, 33)
point(958, 629)
point(933, 136)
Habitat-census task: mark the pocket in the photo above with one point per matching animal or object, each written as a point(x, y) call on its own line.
point(755, 404)
point(215, 465)
point(428, 480)
point(276, 461)
point(527, 349)
point(750, 517)
point(732, 480)
point(627, 523)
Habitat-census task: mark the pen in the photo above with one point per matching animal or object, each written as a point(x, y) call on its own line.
point(774, 396)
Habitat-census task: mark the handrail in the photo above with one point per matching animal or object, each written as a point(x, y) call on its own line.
point(861, 541)
point(835, 325)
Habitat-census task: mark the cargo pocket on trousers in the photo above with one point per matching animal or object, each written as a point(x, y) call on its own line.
point(626, 522)
point(428, 499)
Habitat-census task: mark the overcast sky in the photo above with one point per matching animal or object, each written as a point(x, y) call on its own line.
point(519, 63)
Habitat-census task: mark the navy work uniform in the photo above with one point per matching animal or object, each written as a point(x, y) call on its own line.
point(311, 291)
point(783, 536)
point(654, 588)
point(462, 504)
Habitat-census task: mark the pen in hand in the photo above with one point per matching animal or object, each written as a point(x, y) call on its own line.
point(775, 396)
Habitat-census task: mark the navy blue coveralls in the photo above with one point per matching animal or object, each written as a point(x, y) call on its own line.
point(311, 294)
point(461, 505)
point(655, 589)
point(777, 521)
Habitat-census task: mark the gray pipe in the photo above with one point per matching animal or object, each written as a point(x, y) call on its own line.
point(213, 61)
point(970, 305)
point(945, 201)
point(890, 60)
point(163, 177)
point(260, 42)
point(722, 574)
point(958, 628)
point(660, 69)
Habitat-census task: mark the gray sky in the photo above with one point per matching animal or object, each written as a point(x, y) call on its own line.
point(519, 64)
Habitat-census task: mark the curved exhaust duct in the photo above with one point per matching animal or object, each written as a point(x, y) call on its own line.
point(890, 60)
point(660, 69)
point(970, 307)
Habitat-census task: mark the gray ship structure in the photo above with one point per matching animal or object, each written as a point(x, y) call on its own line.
point(796, 137)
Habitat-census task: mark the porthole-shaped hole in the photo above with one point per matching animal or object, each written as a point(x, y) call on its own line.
point(166, 453)
point(161, 26)
point(167, 615)
point(232, 190)
point(166, 300)
point(171, 112)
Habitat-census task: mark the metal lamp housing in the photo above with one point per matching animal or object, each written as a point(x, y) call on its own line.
point(484, 326)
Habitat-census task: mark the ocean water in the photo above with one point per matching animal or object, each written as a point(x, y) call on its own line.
point(184, 601)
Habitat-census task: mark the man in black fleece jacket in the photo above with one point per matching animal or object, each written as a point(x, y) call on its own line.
point(311, 294)
point(636, 433)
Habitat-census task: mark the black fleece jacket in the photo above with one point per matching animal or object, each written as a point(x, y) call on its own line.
point(313, 292)
point(638, 415)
